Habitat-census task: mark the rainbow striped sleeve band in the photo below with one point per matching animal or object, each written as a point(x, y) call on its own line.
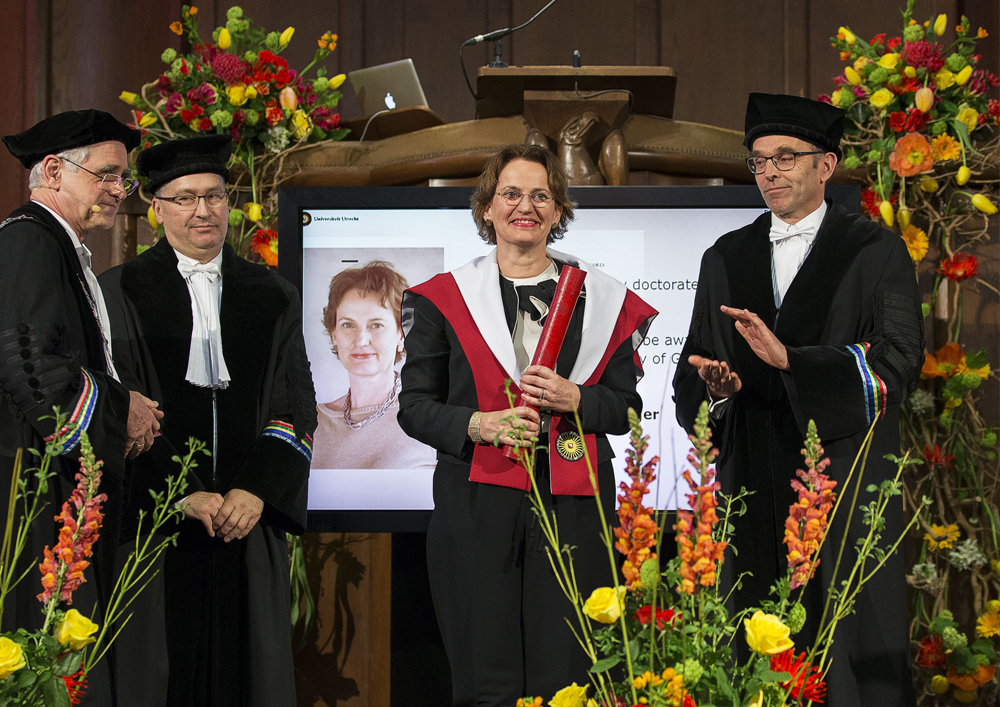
point(80, 419)
point(874, 387)
point(285, 431)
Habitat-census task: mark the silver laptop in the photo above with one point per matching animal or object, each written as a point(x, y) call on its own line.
point(387, 86)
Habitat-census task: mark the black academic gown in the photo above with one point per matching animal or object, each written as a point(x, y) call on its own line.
point(227, 605)
point(499, 608)
point(856, 286)
point(48, 333)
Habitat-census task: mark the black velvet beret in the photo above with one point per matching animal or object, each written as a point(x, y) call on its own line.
point(778, 114)
point(177, 158)
point(65, 131)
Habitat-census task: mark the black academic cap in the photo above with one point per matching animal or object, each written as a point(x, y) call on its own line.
point(177, 158)
point(65, 131)
point(778, 114)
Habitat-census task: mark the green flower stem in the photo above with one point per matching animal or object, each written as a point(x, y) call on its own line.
point(958, 314)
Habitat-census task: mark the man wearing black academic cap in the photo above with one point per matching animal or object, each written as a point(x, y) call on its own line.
point(808, 313)
point(55, 344)
point(219, 341)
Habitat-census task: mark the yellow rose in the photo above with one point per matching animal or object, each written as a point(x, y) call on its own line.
point(224, 39)
point(923, 99)
point(605, 605)
point(928, 185)
point(910, 72)
point(939, 684)
point(286, 36)
point(572, 696)
point(237, 95)
point(963, 175)
point(962, 77)
point(766, 634)
point(889, 60)
point(75, 630)
point(253, 210)
point(336, 81)
point(11, 657)
point(969, 116)
point(983, 204)
point(250, 92)
point(943, 79)
point(147, 120)
point(940, 24)
point(128, 97)
point(151, 217)
point(881, 98)
point(300, 125)
point(848, 35)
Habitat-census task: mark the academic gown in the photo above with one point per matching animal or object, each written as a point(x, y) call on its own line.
point(52, 354)
point(498, 605)
point(227, 605)
point(851, 324)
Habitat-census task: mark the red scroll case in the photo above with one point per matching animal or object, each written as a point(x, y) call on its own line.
point(556, 323)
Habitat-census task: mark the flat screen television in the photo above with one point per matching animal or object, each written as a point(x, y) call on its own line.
point(650, 238)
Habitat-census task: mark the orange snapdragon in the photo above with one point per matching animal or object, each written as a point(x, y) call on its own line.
point(807, 520)
point(636, 532)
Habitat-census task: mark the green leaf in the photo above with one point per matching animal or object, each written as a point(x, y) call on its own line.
point(55, 693)
point(976, 359)
point(771, 676)
point(602, 666)
point(963, 660)
point(68, 664)
point(722, 680)
point(22, 679)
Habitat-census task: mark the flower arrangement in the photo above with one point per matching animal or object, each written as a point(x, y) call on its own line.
point(663, 636)
point(237, 82)
point(922, 124)
point(49, 667)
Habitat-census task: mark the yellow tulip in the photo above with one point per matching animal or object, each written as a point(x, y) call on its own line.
point(151, 217)
point(288, 99)
point(889, 60)
point(130, 97)
point(250, 92)
point(940, 24)
point(983, 204)
point(928, 185)
point(758, 701)
point(848, 35)
point(286, 36)
point(963, 175)
point(253, 210)
point(236, 94)
point(939, 684)
point(835, 97)
point(76, 630)
point(224, 39)
point(943, 79)
point(910, 72)
point(336, 81)
point(881, 98)
point(963, 76)
point(853, 77)
point(924, 99)
point(904, 217)
point(147, 120)
point(885, 208)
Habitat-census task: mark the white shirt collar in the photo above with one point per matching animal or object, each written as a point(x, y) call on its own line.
point(809, 224)
point(78, 245)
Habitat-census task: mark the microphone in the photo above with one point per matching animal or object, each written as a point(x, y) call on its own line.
point(488, 37)
point(93, 207)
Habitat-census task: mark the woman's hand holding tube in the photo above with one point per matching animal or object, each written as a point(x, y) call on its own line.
point(544, 388)
point(503, 425)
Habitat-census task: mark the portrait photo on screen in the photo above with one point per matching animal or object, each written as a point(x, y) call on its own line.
point(354, 342)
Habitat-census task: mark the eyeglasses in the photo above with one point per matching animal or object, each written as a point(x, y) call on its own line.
point(784, 161)
point(109, 180)
point(512, 197)
point(189, 202)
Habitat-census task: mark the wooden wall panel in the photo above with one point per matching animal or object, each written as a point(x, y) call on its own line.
point(16, 56)
point(604, 32)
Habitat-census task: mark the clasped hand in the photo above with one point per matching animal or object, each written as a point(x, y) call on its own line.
point(542, 389)
point(231, 517)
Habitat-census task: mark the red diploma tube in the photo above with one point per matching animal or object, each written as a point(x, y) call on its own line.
point(556, 323)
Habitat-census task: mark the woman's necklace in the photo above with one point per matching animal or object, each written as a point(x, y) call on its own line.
point(379, 411)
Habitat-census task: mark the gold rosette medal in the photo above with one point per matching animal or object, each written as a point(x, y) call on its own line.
point(569, 444)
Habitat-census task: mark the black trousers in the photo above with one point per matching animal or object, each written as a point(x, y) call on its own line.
point(500, 609)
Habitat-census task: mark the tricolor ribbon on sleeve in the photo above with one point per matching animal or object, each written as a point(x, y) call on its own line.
point(286, 431)
point(874, 387)
point(69, 434)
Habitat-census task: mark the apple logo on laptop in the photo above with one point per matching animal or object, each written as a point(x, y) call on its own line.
point(389, 102)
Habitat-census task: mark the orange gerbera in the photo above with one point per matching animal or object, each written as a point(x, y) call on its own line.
point(945, 147)
point(911, 156)
point(916, 242)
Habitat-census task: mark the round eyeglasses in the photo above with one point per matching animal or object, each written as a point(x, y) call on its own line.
point(109, 180)
point(512, 197)
point(783, 161)
point(189, 202)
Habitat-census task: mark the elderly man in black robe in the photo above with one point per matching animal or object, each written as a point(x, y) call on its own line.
point(220, 339)
point(808, 313)
point(55, 346)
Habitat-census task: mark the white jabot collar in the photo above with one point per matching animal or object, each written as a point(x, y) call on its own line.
point(206, 362)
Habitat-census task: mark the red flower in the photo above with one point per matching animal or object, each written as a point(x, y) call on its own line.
point(959, 267)
point(916, 120)
point(870, 202)
point(185, 69)
point(273, 112)
point(266, 57)
point(935, 456)
point(666, 616)
point(228, 67)
point(205, 124)
point(284, 77)
point(893, 43)
point(931, 653)
point(878, 39)
point(993, 108)
point(265, 243)
point(923, 54)
point(897, 121)
point(806, 683)
point(190, 114)
point(76, 685)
